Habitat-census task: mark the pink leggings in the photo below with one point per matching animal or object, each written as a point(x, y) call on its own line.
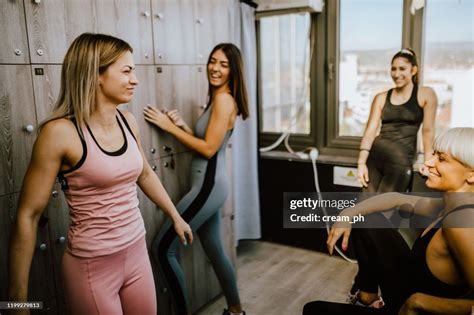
point(120, 283)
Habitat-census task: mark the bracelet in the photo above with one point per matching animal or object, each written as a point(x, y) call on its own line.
point(364, 150)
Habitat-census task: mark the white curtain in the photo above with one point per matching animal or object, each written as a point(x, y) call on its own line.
point(244, 144)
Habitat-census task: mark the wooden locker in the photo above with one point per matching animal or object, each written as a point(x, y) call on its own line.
point(202, 91)
point(173, 31)
point(176, 89)
point(14, 48)
point(53, 24)
point(41, 286)
point(57, 212)
point(130, 21)
point(151, 139)
point(17, 125)
point(46, 85)
point(211, 25)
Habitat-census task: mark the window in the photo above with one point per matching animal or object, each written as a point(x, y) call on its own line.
point(354, 41)
point(448, 63)
point(365, 52)
point(284, 63)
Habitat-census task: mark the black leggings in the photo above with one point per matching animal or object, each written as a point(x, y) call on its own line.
point(383, 258)
point(387, 177)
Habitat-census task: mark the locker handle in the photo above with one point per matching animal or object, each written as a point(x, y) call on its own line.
point(29, 128)
point(42, 247)
point(159, 15)
point(37, 1)
point(55, 193)
point(146, 14)
point(61, 240)
point(153, 167)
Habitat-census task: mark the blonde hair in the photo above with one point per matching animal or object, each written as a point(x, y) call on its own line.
point(88, 56)
point(459, 143)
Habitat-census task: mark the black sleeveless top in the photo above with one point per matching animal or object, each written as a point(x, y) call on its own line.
point(423, 280)
point(396, 142)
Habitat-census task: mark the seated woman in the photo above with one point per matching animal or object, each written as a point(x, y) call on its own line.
point(437, 274)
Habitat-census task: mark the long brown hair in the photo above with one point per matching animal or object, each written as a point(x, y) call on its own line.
point(236, 83)
point(88, 56)
point(410, 56)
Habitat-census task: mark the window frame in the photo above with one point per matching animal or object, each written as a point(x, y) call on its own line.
point(324, 72)
point(297, 141)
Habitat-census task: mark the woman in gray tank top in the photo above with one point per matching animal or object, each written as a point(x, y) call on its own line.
point(209, 184)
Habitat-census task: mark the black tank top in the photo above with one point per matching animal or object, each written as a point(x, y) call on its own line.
point(423, 280)
point(396, 142)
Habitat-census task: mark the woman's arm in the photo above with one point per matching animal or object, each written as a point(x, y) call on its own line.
point(369, 135)
point(380, 203)
point(179, 121)
point(429, 115)
point(48, 152)
point(420, 303)
point(153, 189)
point(223, 108)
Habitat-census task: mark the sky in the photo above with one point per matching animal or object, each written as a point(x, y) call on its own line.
point(369, 24)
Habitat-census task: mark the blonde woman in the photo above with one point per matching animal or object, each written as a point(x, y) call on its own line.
point(436, 275)
point(95, 150)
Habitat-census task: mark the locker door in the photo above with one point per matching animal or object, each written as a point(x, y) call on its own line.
point(212, 26)
point(14, 48)
point(46, 84)
point(173, 31)
point(17, 125)
point(59, 220)
point(127, 19)
point(176, 89)
point(145, 94)
point(52, 25)
point(41, 282)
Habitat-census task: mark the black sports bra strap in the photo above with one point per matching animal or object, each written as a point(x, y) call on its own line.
point(459, 208)
point(126, 124)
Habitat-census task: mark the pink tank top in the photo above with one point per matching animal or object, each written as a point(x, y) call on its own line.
point(101, 192)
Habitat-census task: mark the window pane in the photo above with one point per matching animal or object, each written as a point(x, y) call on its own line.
point(448, 64)
point(284, 51)
point(370, 34)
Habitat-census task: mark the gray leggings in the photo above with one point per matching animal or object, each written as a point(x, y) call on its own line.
point(200, 208)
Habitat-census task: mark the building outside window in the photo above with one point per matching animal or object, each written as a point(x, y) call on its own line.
point(448, 63)
point(370, 34)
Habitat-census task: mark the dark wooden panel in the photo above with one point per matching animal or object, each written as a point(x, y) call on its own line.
point(17, 111)
point(41, 282)
point(14, 47)
point(58, 226)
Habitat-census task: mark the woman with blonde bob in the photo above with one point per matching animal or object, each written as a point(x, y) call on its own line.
point(435, 276)
point(94, 149)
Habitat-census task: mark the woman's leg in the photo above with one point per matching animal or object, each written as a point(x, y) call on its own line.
point(383, 260)
point(210, 236)
point(396, 178)
point(138, 294)
point(92, 284)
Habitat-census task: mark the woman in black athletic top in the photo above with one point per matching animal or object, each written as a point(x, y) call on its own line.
point(436, 276)
point(385, 161)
